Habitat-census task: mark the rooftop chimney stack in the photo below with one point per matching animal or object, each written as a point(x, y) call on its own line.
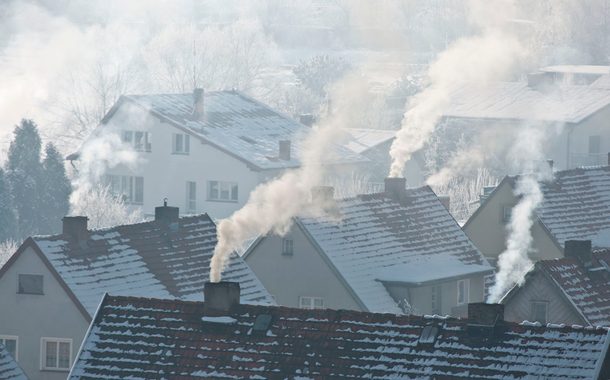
point(485, 314)
point(167, 214)
point(307, 119)
point(75, 227)
point(396, 188)
point(580, 250)
point(322, 194)
point(551, 163)
point(284, 153)
point(220, 298)
point(198, 106)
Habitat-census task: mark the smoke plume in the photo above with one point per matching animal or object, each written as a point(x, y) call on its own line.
point(488, 56)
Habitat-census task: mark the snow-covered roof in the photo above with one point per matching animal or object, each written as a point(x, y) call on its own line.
point(362, 139)
point(147, 338)
point(577, 206)
point(148, 259)
point(377, 234)
point(577, 69)
point(9, 369)
point(518, 101)
point(240, 126)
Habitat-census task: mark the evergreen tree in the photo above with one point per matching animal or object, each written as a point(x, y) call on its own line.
point(24, 174)
point(7, 214)
point(55, 193)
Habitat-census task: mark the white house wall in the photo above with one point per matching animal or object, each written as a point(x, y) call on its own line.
point(31, 317)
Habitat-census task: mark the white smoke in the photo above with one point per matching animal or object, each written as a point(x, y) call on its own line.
point(491, 55)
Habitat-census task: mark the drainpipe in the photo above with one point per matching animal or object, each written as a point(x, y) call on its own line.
point(569, 136)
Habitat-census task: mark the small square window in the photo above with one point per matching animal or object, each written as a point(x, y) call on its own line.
point(10, 343)
point(56, 354)
point(30, 284)
point(287, 247)
point(311, 302)
point(539, 311)
point(506, 213)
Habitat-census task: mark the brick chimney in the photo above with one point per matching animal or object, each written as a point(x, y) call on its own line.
point(485, 314)
point(322, 194)
point(75, 227)
point(166, 214)
point(220, 298)
point(580, 250)
point(198, 104)
point(284, 152)
point(395, 188)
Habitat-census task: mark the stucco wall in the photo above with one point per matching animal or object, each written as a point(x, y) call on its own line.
point(304, 273)
point(598, 124)
point(31, 317)
point(538, 288)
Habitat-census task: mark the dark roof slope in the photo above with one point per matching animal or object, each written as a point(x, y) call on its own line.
point(238, 125)
point(149, 338)
point(588, 289)
point(381, 240)
point(146, 259)
point(9, 369)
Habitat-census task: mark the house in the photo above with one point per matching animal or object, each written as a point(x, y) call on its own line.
point(145, 338)
point(573, 117)
point(51, 287)
point(395, 251)
point(576, 206)
point(218, 147)
point(9, 369)
point(570, 290)
point(375, 144)
point(576, 74)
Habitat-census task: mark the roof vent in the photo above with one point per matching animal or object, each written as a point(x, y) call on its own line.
point(284, 153)
point(579, 250)
point(428, 335)
point(261, 324)
point(198, 109)
point(220, 298)
point(75, 227)
point(166, 214)
point(396, 188)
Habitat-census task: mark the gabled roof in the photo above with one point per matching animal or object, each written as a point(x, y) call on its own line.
point(140, 338)
point(237, 125)
point(378, 236)
point(361, 140)
point(518, 101)
point(146, 259)
point(586, 289)
point(9, 369)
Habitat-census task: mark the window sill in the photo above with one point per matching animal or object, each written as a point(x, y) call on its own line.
point(55, 370)
point(287, 254)
point(180, 154)
point(221, 201)
point(31, 294)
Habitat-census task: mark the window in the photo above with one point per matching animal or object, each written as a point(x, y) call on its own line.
point(595, 144)
point(140, 141)
point(191, 196)
point(436, 299)
point(311, 302)
point(181, 143)
point(506, 213)
point(10, 342)
point(55, 354)
point(463, 292)
point(30, 284)
point(287, 247)
point(539, 311)
point(222, 191)
point(129, 187)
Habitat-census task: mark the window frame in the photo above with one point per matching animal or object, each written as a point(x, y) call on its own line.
point(143, 144)
point(436, 299)
point(126, 186)
point(185, 143)
point(534, 303)
point(287, 242)
point(312, 302)
point(19, 291)
point(43, 353)
point(506, 212)
point(4, 338)
point(220, 187)
point(466, 291)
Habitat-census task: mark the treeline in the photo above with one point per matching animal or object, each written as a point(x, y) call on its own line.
point(34, 191)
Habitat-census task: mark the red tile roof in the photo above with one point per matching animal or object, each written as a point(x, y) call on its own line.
point(151, 338)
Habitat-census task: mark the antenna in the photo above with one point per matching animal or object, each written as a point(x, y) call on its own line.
point(164, 202)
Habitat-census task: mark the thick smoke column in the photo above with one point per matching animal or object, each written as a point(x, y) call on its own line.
point(488, 56)
point(514, 262)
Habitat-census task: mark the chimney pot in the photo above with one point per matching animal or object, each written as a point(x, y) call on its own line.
point(75, 227)
point(167, 214)
point(395, 188)
point(485, 314)
point(198, 104)
point(284, 152)
point(580, 250)
point(220, 298)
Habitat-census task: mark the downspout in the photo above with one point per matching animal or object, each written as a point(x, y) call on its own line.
point(568, 145)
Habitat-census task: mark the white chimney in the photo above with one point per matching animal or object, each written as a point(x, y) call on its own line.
point(198, 105)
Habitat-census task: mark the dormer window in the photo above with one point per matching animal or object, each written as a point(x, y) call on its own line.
point(181, 143)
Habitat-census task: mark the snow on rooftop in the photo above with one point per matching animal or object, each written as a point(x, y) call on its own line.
point(435, 268)
point(9, 369)
point(577, 69)
point(364, 139)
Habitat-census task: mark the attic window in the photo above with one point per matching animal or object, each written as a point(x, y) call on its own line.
point(428, 335)
point(261, 324)
point(30, 284)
